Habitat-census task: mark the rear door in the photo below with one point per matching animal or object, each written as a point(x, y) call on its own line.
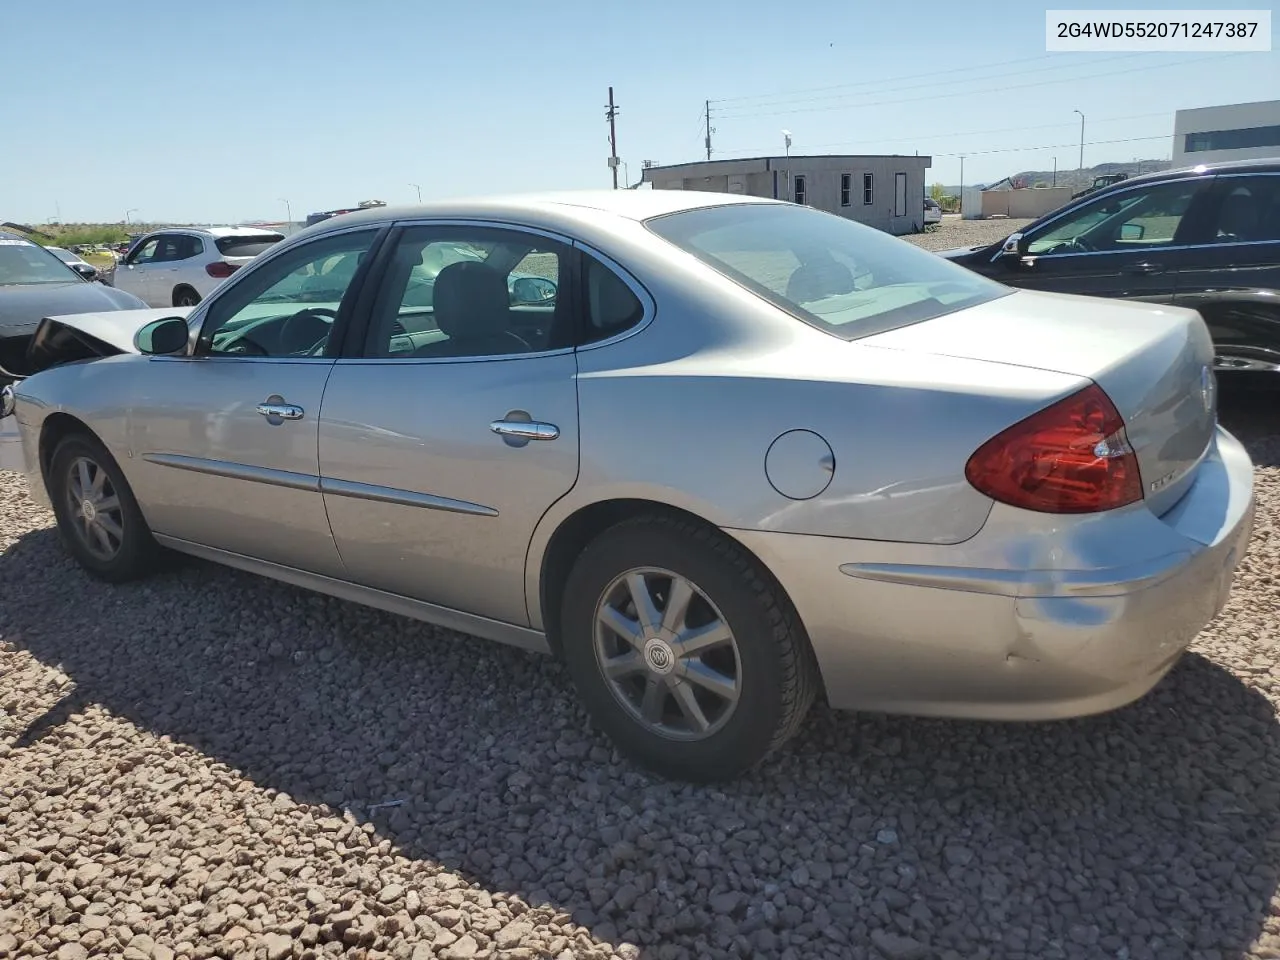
point(1233, 275)
point(452, 426)
point(1128, 244)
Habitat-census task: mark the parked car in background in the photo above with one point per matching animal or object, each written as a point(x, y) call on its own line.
point(34, 283)
point(75, 262)
point(654, 473)
point(1206, 237)
point(1105, 180)
point(932, 211)
point(181, 266)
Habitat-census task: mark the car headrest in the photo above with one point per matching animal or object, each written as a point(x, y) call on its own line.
point(471, 301)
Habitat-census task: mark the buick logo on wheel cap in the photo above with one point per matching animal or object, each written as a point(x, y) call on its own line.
point(659, 656)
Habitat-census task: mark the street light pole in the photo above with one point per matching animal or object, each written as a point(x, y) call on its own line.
point(1081, 138)
point(1055, 171)
point(419, 189)
point(288, 210)
point(127, 212)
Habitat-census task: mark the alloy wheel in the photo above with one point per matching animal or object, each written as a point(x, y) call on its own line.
point(667, 654)
point(95, 511)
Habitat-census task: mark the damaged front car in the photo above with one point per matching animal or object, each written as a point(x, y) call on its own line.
point(59, 341)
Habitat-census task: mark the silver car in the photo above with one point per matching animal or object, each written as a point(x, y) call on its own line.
point(722, 455)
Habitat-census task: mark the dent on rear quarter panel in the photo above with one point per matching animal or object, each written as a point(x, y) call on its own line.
point(698, 440)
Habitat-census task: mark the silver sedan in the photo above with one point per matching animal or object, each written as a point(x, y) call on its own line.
point(724, 456)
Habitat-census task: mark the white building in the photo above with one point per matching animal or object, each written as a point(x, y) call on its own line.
point(886, 192)
point(1240, 131)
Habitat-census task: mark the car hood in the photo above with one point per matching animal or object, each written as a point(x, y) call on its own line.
point(23, 306)
point(82, 336)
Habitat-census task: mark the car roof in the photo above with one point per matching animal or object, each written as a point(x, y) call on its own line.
point(217, 231)
point(634, 205)
point(1260, 165)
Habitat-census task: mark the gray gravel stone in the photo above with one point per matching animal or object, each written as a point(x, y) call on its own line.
point(173, 789)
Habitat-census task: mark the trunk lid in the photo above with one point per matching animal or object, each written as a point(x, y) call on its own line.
point(1155, 362)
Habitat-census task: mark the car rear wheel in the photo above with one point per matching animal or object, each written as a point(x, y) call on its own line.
point(98, 517)
point(685, 652)
point(185, 297)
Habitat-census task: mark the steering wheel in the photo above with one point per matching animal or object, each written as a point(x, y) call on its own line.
point(1079, 245)
point(310, 326)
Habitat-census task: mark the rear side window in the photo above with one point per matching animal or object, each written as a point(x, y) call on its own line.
point(611, 306)
point(249, 245)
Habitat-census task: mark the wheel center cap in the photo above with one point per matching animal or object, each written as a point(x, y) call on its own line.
point(659, 656)
point(89, 511)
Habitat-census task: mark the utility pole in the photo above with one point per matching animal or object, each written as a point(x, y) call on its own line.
point(962, 185)
point(707, 112)
point(1055, 171)
point(610, 113)
point(419, 189)
point(1081, 138)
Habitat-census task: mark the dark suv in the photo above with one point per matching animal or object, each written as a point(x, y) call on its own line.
point(1205, 237)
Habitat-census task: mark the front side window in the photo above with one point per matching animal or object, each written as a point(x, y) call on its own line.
point(23, 262)
point(471, 292)
point(1138, 219)
point(834, 273)
point(288, 307)
point(146, 252)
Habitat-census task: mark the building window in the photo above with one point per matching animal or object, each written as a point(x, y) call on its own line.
point(799, 197)
point(846, 188)
point(1245, 139)
point(868, 190)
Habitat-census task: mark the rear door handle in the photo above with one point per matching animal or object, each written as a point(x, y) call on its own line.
point(1146, 268)
point(525, 430)
point(274, 408)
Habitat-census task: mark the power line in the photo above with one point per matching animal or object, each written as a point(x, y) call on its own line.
point(948, 136)
point(970, 93)
point(864, 83)
point(785, 101)
point(1052, 146)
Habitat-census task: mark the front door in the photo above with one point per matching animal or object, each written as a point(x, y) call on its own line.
point(136, 273)
point(224, 442)
point(455, 428)
point(1128, 244)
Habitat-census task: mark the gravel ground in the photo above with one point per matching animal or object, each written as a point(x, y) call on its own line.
point(954, 232)
point(211, 764)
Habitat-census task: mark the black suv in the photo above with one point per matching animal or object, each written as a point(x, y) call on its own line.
point(1205, 237)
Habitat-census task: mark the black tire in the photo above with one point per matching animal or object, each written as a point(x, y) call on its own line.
point(137, 550)
point(185, 297)
point(775, 669)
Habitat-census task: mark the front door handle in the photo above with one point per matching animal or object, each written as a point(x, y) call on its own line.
point(275, 408)
point(525, 430)
point(1146, 269)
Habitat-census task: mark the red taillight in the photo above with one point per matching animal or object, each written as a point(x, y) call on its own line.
point(221, 269)
point(1071, 457)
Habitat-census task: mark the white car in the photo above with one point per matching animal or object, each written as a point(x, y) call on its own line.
point(932, 211)
point(179, 267)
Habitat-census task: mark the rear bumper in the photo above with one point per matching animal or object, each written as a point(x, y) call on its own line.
point(1037, 617)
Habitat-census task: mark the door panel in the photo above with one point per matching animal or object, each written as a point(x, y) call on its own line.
point(136, 274)
point(208, 467)
point(424, 498)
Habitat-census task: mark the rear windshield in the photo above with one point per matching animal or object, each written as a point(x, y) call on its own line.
point(848, 279)
point(247, 245)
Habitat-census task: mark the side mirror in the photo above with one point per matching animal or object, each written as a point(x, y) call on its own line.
point(1013, 245)
point(163, 338)
point(533, 290)
point(85, 270)
point(1132, 231)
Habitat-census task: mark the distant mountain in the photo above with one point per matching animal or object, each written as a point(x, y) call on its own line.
point(1077, 179)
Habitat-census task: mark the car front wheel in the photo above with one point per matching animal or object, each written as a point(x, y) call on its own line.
point(98, 517)
point(685, 652)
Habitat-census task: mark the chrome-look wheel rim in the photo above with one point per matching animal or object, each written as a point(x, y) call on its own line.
point(667, 654)
point(94, 507)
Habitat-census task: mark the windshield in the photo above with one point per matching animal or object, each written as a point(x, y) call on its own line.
point(23, 262)
point(845, 278)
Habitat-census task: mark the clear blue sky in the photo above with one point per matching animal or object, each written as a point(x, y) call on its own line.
point(198, 112)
